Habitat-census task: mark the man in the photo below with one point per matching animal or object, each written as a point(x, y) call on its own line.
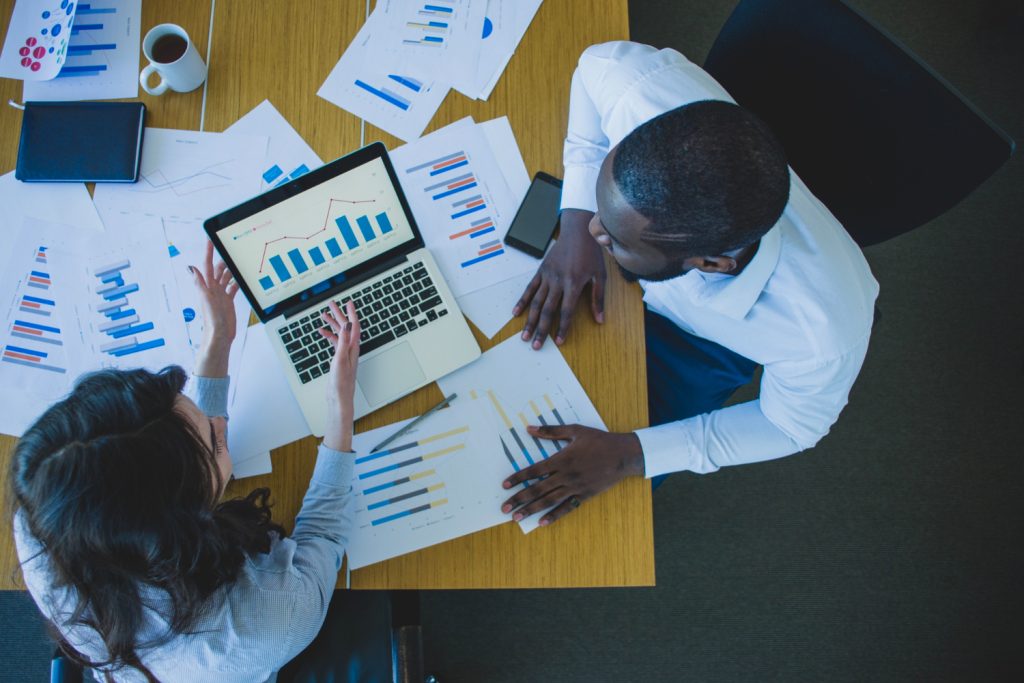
point(740, 265)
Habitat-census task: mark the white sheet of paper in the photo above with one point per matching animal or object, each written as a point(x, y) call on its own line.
point(52, 202)
point(463, 204)
point(288, 155)
point(187, 175)
point(102, 60)
point(264, 413)
point(491, 308)
point(37, 39)
point(399, 99)
point(252, 467)
point(443, 37)
point(540, 389)
point(505, 23)
point(431, 485)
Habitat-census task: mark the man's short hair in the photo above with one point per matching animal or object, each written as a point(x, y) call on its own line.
point(710, 176)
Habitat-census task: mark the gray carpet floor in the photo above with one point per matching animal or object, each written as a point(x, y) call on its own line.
point(890, 552)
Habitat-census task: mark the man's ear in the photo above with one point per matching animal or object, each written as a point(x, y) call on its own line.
point(714, 264)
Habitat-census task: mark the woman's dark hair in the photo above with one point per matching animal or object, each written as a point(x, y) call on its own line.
point(710, 176)
point(121, 491)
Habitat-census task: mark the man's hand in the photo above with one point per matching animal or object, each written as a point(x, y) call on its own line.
point(574, 262)
point(592, 462)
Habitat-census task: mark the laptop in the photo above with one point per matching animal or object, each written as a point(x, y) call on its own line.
point(344, 232)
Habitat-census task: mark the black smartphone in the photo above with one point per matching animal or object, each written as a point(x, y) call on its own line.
point(537, 217)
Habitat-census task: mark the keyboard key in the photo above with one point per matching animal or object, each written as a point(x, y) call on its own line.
point(414, 299)
point(305, 377)
point(307, 328)
point(420, 274)
point(389, 278)
point(388, 289)
point(325, 343)
point(404, 315)
point(378, 285)
point(394, 309)
point(401, 331)
point(430, 303)
point(442, 312)
point(315, 372)
point(306, 364)
point(293, 325)
point(412, 324)
point(431, 316)
point(325, 367)
point(385, 326)
point(364, 335)
point(324, 355)
point(376, 342)
point(299, 355)
point(374, 319)
point(408, 270)
point(393, 321)
point(286, 337)
point(293, 347)
point(417, 286)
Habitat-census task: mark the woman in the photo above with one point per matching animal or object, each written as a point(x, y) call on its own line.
point(124, 545)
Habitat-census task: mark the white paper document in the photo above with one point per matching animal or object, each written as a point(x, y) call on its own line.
point(399, 98)
point(264, 413)
point(188, 176)
point(504, 23)
point(288, 155)
point(36, 45)
point(77, 301)
point(102, 59)
point(51, 202)
point(463, 204)
point(512, 386)
point(491, 308)
point(435, 483)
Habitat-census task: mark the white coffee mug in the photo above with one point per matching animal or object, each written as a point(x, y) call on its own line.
point(181, 70)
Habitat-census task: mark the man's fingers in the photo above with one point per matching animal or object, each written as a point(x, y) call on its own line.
point(597, 298)
point(540, 504)
point(567, 506)
point(554, 432)
point(526, 496)
point(569, 299)
point(534, 471)
point(528, 293)
point(534, 314)
point(547, 316)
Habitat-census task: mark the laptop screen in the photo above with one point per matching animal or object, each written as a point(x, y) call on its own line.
point(306, 243)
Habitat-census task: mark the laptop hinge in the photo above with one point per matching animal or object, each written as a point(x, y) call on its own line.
point(331, 292)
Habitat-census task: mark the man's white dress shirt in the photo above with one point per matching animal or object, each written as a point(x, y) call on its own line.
point(802, 307)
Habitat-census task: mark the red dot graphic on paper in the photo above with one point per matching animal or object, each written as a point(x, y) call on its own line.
point(39, 52)
point(31, 41)
point(35, 66)
point(26, 61)
point(23, 51)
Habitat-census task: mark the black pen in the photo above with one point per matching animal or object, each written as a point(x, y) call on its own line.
point(412, 424)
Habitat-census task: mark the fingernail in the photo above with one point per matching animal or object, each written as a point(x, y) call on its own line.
point(506, 508)
point(600, 317)
point(506, 484)
point(191, 270)
point(544, 522)
point(536, 344)
point(348, 326)
point(525, 335)
point(559, 340)
point(518, 516)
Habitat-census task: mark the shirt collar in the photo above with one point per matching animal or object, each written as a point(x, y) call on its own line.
point(735, 295)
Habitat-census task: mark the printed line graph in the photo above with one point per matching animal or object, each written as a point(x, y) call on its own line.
point(157, 181)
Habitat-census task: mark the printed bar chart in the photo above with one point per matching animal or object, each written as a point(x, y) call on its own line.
point(385, 94)
point(122, 324)
point(36, 305)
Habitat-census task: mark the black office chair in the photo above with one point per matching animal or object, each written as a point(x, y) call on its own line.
point(879, 137)
point(378, 638)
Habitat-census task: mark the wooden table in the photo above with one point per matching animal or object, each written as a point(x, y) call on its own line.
point(283, 51)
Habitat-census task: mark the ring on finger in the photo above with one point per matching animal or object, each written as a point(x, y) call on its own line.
point(574, 501)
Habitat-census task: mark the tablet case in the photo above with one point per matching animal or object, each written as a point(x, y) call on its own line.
point(81, 142)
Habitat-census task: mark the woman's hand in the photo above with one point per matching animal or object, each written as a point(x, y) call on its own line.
point(217, 289)
point(342, 330)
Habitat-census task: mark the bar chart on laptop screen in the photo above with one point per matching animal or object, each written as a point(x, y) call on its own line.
point(308, 239)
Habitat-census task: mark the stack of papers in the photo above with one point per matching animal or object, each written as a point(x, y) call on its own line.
point(409, 53)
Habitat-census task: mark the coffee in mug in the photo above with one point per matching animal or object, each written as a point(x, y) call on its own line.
point(173, 56)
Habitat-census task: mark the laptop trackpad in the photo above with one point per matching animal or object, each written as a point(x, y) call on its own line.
point(390, 375)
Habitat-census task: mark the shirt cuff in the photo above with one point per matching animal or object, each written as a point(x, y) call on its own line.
point(670, 448)
point(579, 189)
point(334, 468)
point(210, 394)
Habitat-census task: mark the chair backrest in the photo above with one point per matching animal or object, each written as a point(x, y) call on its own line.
point(877, 135)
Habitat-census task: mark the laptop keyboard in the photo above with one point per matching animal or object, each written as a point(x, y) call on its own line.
point(389, 308)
